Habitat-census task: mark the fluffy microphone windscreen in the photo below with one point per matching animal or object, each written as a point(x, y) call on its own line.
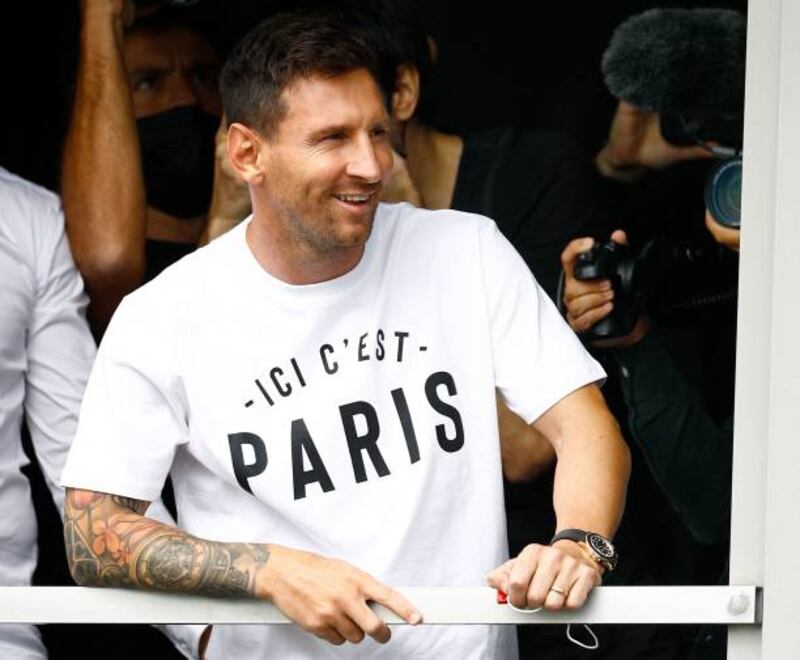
point(687, 61)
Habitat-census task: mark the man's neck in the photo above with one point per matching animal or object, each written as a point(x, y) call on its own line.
point(291, 261)
point(433, 160)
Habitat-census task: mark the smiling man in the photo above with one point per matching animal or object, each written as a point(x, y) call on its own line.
point(329, 420)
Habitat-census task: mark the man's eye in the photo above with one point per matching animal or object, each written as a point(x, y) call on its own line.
point(380, 132)
point(334, 137)
point(145, 83)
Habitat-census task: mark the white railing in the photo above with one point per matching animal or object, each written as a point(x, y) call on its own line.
point(733, 605)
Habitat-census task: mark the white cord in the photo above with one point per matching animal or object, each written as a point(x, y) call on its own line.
point(577, 642)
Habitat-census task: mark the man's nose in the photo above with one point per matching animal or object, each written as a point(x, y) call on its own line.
point(365, 160)
point(182, 90)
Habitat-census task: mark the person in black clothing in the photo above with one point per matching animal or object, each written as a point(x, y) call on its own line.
point(675, 368)
point(139, 157)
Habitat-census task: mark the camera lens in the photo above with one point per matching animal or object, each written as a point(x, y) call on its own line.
point(724, 193)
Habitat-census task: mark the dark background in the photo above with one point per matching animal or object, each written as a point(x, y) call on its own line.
point(500, 63)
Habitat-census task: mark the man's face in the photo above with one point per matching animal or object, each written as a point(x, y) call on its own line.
point(171, 68)
point(326, 162)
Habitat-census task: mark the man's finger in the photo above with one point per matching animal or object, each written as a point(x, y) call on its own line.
point(370, 623)
point(576, 288)
point(563, 583)
point(498, 578)
point(393, 600)
point(585, 322)
point(580, 590)
point(525, 566)
point(579, 306)
point(544, 578)
point(331, 635)
point(619, 236)
point(349, 629)
point(573, 249)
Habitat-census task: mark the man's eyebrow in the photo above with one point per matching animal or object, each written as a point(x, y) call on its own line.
point(331, 129)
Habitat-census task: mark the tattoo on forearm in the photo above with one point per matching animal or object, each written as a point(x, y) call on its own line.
point(109, 543)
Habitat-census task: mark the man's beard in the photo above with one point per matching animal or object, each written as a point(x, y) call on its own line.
point(323, 243)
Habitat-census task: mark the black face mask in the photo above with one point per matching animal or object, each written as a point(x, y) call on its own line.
point(178, 160)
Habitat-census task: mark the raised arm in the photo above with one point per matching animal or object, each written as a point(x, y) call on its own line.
point(110, 543)
point(102, 186)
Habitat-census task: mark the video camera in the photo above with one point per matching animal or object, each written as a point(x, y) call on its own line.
point(688, 65)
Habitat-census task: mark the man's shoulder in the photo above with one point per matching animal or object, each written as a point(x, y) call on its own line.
point(26, 205)
point(426, 224)
point(189, 283)
point(31, 220)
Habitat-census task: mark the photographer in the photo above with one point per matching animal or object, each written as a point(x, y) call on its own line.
point(687, 450)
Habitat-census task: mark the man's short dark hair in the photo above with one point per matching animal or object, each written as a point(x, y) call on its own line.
point(282, 50)
point(397, 32)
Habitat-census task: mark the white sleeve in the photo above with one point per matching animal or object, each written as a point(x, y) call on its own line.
point(134, 412)
point(60, 349)
point(538, 359)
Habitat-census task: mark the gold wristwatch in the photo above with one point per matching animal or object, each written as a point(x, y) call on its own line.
point(597, 547)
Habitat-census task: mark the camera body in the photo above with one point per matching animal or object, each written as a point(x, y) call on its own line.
point(633, 275)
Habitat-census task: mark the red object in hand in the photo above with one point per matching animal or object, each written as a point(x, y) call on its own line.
point(502, 598)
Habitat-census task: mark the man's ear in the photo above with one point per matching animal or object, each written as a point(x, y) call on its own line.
point(406, 92)
point(244, 153)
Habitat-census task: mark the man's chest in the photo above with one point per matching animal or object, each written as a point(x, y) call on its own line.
point(293, 412)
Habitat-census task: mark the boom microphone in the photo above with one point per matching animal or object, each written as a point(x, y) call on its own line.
point(683, 61)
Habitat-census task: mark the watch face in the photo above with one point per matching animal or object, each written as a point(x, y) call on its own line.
point(600, 546)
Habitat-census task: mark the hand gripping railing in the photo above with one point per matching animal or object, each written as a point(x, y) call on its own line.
point(735, 605)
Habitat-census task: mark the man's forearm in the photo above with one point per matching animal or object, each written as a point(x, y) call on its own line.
point(593, 462)
point(110, 543)
point(591, 478)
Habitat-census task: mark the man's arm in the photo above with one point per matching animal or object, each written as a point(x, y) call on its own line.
point(525, 452)
point(60, 348)
point(593, 462)
point(635, 145)
point(592, 469)
point(102, 184)
point(110, 543)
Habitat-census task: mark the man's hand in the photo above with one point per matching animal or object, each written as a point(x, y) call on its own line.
point(400, 187)
point(328, 597)
point(590, 301)
point(552, 577)
point(722, 235)
point(635, 144)
point(230, 198)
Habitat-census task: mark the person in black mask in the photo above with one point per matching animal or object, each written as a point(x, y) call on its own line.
point(139, 168)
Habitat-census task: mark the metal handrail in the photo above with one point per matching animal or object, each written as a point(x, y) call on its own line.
point(736, 605)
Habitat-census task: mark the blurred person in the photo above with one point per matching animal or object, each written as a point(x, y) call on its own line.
point(310, 134)
point(139, 173)
point(47, 352)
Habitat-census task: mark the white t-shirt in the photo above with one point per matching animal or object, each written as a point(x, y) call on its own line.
point(355, 418)
point(46, 352)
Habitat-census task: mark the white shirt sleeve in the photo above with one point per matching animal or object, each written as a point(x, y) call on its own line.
point(134, 413)
point(60, 348)
point(538, 359)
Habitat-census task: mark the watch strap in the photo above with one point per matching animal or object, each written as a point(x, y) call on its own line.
point(580, 537)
